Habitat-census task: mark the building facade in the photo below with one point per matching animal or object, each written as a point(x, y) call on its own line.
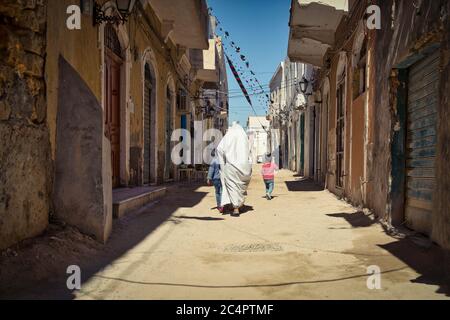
point(381, 101)
point(290, 88)
point(98, 106)
point(257, 132)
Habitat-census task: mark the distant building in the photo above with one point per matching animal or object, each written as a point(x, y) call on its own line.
point(286, 113)
point(257, 128)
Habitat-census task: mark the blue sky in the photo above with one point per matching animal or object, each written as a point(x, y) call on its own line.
point(260, 29)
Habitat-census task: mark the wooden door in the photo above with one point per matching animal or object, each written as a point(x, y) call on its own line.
point(112, 112)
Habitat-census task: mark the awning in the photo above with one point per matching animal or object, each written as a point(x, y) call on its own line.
point(312, 29)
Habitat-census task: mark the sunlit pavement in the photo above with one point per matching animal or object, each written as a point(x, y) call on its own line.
point(301, 245)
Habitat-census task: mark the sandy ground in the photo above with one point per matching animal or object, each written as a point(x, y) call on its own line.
point(304, 244)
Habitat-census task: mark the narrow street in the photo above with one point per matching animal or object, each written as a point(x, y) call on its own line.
point(304, 244)
point(124, 123)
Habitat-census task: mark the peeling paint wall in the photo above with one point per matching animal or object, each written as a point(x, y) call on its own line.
point(441, 220)
point(371, 130)
point(405, 32)
point(141, 42)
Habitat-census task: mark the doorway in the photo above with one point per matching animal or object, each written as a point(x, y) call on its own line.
point(149, 91)
point(421, 141)
point(340, 132)
point(113, 65)
point(302, 144)
point(168, 172)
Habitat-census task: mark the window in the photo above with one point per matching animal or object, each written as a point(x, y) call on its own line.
point(360, 72)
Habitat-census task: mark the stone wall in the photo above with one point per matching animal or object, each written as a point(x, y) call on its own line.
point(25, 163)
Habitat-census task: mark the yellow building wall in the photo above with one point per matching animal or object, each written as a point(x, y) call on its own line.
point(78, 47)
point(81, 48)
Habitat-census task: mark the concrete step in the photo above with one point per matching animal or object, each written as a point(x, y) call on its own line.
point(129, 199)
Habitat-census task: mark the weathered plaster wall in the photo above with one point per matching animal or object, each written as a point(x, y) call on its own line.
point(357, 150)
point(331, 166)
point(25, 164)
point(441, 221)
point(164, 57)
point(73, 73)
point(79, 180)
point(412, 30)
point(371, 108)
point(81, 50)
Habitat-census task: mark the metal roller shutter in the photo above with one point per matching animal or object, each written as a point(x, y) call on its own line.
point(147, 111)
point(423, 93)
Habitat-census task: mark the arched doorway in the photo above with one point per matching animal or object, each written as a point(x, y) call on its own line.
point(169, 169)
point(325, 125)
point(358, 124)
point(149, 124)
point(341, 93)
point(113, 64)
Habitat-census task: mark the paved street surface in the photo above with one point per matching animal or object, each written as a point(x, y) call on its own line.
point(304, 244)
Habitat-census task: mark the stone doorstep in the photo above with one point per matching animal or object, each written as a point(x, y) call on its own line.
point(123, 206)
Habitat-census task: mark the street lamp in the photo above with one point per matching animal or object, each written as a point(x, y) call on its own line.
point(124, 8)
point(304, 84)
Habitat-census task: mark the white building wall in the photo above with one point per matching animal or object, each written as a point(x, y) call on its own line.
point(257, 131)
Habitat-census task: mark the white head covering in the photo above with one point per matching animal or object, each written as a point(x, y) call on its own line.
point(236, 170)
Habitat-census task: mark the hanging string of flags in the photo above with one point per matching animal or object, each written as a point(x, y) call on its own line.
point(238, 79)
point(240, 66)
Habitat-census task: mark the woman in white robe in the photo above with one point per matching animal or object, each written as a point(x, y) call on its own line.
point(235, 167)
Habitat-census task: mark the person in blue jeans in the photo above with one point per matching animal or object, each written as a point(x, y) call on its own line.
point(268, 172)
point(214, 179)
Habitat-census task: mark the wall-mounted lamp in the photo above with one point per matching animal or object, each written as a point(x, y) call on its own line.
point(304, 85)
point(124, 8)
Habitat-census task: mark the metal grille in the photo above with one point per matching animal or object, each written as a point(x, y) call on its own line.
point(423, 93)
point(112, 41)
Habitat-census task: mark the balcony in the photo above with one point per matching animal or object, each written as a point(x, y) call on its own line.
point(313, 26)
point(205, 63)
point(185, 21)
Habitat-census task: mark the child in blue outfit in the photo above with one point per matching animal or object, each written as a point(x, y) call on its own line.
point(214, 179)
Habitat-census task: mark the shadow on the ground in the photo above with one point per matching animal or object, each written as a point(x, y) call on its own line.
point(198, 218)
point(127, 233)
point(357, 219)
point(429, 260)
point(255, 285)
point(432, 264)
point(303, 185)
point(243, 210)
